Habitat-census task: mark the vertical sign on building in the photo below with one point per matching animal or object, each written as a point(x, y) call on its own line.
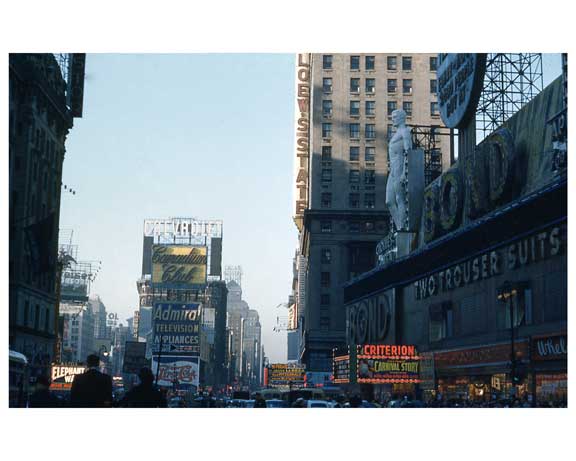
point(303, 79)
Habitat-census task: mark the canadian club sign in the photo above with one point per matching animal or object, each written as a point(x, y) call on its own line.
point(550, 347)
point(179, 264)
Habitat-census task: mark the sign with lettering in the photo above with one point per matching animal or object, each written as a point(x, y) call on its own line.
point(480, 355)
point(134, 357)
point(180, 371)
point(371, 319)
point(388, 364)
point(176, 328)
point(460, 80)
point(282, 374)
point(182, 227)
point(427, 372)
point(537, 247)
point(303, 78)
point(341, 369)
point(179, 265)
point(62, 376)
point(550, 347)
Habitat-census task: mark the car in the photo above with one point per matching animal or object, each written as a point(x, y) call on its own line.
point(318, 404)
point(248, 404)
point(276, 403)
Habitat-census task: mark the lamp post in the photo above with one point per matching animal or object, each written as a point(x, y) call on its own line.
point(505, 294)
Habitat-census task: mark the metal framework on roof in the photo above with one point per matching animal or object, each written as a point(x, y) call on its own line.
point(511, 80)
point(427, 138)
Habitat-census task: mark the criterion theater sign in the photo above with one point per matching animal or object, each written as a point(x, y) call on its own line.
point(303, 78)
point(385, 363)
point(179, 264)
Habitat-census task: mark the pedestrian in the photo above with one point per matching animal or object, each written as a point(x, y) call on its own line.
point(259, 401)
point(42, 397)
point(145, 394)
point(92, 389)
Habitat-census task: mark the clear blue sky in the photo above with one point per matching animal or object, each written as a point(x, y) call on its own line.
point(206, 135)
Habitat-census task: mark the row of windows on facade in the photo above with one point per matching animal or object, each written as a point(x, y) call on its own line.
point(441, 316)
point(354, 153)
point(370, 85)
point(353, 177)
point(353, 200)
point(370, 128)
point(353, 226)
point(370, 62)
point(39, 319)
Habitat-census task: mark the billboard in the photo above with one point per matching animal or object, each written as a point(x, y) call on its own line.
point(179, 265)
point(175, 327)
point(134, 357)
point(180, 371)
point(62, 375)
point(283, 374)
point(385, 363)
point(182, 228)
point(341, 369)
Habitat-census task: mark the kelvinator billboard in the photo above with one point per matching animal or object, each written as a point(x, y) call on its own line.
point(378, 364)
point(179, 265)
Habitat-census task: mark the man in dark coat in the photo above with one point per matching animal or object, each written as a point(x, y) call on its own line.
point(145, 394)
point(42, 397)
point(259, 401)
point(92, 388)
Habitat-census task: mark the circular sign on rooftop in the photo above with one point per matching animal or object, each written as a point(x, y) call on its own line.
point(460, 80)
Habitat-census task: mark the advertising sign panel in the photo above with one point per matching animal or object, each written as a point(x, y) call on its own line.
point(427, 374)
point(183, 227)
point(63, 375)
point(388, 364)
point(180, 371)
point(134, 357)
point(179, 265)
point(176, 327)
point(283, 374)
point(550, 347)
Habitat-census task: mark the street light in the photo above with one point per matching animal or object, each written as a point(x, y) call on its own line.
point(505, 294)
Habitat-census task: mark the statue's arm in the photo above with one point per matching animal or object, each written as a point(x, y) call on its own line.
point(407, 138)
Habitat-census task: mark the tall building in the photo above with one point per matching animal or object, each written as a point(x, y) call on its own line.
point(99, 310)
point(252, 342)
point(343, 124)
point(237, 309)
point(78, 332)
point(44, 98)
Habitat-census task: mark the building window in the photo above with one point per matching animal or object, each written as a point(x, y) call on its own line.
point(392, 106)
point(324, 325)
point(370, 131)
point(370, 62)
point(407, 106)
point(326, 108)
point(327, 61)
point(407, 86)
point(354, 226)
point(325, 280)
point(354, 153)
point(370, 154)
point(369, 177)
point(406, 62)
point(354, 130)
point(354, 85)
point(369, 226)
point(327, 85)
point(441, 321)
point(370, 108)
point(370, 85)
point(520, 296)
point(434, 109)
point(326, 200)
point(326, 175)
point(433, 63)
point(392, 63)
point(326, 130)
point(392, 85)
point(354, 200)
point(326, 226)
point(354, 62)
point(326, 256)
point(369, 200)
point(354, 107)
point(354, 176)
point(326, 153)
point(389, 132)
point(433, 86)
point(47, 320)
point(325, 298)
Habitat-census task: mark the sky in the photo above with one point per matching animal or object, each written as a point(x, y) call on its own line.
point(203, 135)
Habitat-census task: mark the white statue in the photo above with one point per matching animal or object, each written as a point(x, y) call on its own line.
point(398, 148)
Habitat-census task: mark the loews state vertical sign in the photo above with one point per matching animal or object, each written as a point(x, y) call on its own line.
point(303, 78)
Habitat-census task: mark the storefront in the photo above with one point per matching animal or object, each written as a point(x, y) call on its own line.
point(549, 368)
